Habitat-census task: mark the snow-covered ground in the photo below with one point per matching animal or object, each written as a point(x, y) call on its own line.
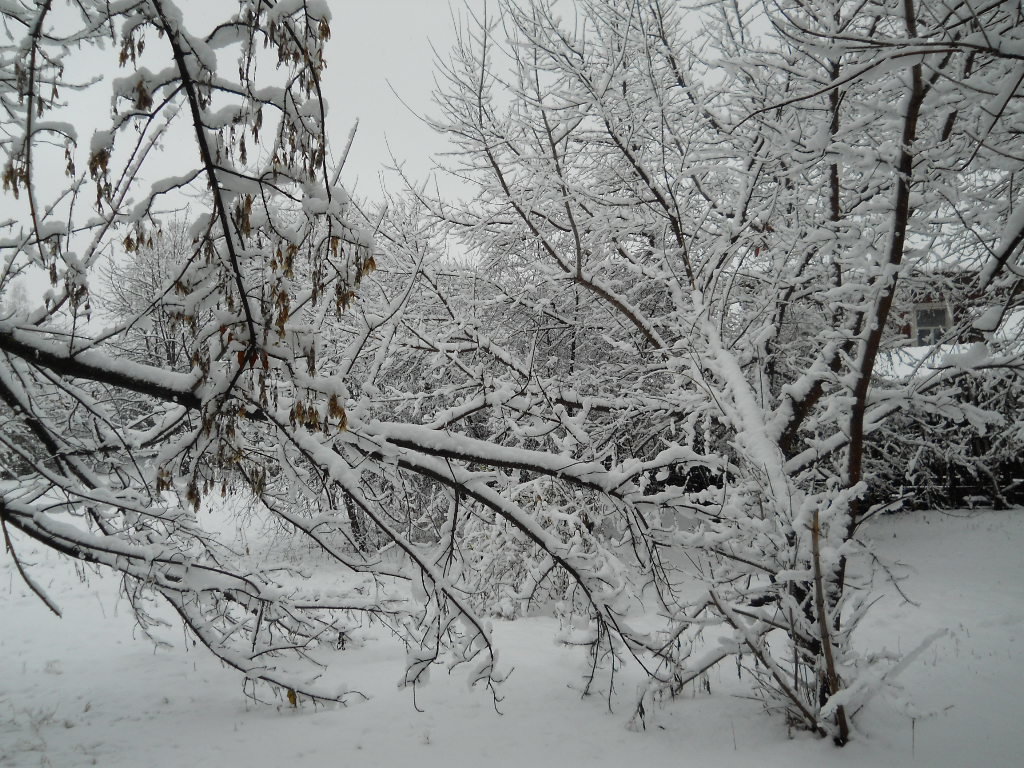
point(88, 689)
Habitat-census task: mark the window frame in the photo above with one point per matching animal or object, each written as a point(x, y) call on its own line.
point(937, 331)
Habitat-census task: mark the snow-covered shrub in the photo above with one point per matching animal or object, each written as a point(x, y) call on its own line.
point(967, 449)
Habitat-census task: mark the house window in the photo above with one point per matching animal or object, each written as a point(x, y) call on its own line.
point(931, 323)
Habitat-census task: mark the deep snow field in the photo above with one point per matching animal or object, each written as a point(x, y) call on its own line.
point(89, 689)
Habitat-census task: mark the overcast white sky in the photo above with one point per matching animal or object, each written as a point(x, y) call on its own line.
point(375, 43)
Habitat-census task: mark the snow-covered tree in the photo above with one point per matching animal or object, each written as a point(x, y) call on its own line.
point(653, 389)
point(715, 224)
point(228, 112)
point(135, 287)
